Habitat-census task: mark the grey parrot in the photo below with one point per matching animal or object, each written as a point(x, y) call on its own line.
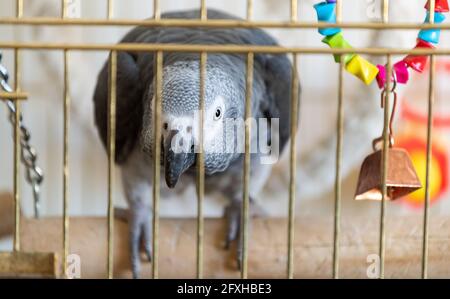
point(224, 100)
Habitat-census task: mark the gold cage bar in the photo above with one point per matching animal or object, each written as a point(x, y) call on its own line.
point(201, 167)
point(216, 23)
point(17, 87)
point(339, 146)
point(13, 95)
point(384, 162)
point(384, 158)
point(111, 157)
point(292, 167)
point(156, 10)
point(156, 159)
point(230, 49)
point(66, 121)
point(110, 9)
point(246, 178)
point(426, 214)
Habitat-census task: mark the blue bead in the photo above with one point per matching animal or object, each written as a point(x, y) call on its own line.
point(432, 35)
point(438, 17)
point(326, 12)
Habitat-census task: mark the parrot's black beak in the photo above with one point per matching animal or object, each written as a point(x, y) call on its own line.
point(176, 162)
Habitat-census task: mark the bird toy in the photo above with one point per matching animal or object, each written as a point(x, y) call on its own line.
point(362, 68)
point(401, 178)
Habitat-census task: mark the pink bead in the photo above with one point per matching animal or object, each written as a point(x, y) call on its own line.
point(401, 72)
point(381, 77)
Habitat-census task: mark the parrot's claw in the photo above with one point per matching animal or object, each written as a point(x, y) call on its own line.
point(233, 215)
point(140, 231)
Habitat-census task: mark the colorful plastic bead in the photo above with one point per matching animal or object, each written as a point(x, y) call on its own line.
point(381, 76)
point(362, 69)
point(401, 73)
point(440, 6)
point(423, 44)
point(432, 35)
point(337, 41)
point(416, 62)
point(326, 12)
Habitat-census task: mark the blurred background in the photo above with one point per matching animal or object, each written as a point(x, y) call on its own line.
point(42, 77)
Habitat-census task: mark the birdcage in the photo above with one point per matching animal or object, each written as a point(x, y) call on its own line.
point(49, 264)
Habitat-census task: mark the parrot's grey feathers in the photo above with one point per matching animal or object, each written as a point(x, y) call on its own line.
point(129, 105)
point(278, 81)
point(135, 71)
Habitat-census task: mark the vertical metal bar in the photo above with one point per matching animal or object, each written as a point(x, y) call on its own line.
point(203, 11)
point(294, 10)
point(201, 167)
point(156, 10)
point(246, 195)
point(387, 91)
point(19, 8)
point(382, 237)
point(66, 120)
point(156, 159)
point(339, 145)
point(16, 162)
point(249, 10)
point(66, 161)
point(17, 78)
point(385, 10)
point(246, 178)
point(111, 157)
point(110, 9)
point(64, 8)
point(426, 213)
point(292, 167)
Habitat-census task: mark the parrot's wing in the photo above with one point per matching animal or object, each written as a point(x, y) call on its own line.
point(133, 70)
point(277, 75)
point(276, 70)
point(128, 104)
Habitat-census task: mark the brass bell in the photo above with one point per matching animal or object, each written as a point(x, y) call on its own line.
point(401, 178)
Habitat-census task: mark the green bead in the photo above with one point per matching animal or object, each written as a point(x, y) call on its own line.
point(337, 41)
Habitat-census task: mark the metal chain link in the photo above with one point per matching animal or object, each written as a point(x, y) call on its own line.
point(34, 174)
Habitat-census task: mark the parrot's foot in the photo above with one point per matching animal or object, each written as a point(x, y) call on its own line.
point(233, 215)
point(140, 232)
point(233, 233)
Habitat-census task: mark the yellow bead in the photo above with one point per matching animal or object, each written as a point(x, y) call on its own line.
point(362, 69)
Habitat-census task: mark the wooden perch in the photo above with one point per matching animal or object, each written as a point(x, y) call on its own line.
point(6, 214)
point(267, 251)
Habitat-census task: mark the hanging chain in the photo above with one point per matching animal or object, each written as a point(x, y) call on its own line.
point(34, 174)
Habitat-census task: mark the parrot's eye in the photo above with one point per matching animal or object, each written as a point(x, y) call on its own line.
point(218, 113)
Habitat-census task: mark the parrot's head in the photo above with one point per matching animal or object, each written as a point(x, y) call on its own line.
point(224, 103)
